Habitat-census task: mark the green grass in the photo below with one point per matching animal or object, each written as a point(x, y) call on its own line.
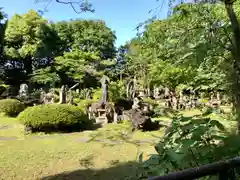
point(75, 156)
point(39, 156)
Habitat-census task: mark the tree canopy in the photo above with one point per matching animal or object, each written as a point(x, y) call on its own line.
point(43, 52)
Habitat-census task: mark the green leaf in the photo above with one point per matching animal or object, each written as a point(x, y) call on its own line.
point(140, 158)
point(187, 143)
point(159, 148)
point(217, 124)
point(173, 156)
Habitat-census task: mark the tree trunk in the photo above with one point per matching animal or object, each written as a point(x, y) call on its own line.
point(235, 93)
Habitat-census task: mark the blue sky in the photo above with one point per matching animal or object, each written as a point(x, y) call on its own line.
point(122, 16)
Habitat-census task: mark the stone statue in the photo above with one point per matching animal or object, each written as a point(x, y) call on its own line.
point(49, 98)
point(62, 95)
point(166, 93)
point(42, 95)
point(23, 92)
point(104, 82)
point(141, 94)
point(156, 93)
point(130, 89)
point(136, 103)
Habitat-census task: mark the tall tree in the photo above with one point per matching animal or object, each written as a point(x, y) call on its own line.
point(230, 6)
point(86, 51)
point(28, 44)
point(3, 25)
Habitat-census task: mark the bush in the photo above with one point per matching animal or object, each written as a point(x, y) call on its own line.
point(116, 90)
point(11, 107)
point(97, 94)
point(82, 105)
point(2, 89)
point(54, 117)
point(191, 141)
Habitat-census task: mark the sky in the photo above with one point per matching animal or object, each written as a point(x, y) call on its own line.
point(122, 16)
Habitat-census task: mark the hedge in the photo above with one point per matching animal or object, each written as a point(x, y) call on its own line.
point(11, 107)
point(54, 117)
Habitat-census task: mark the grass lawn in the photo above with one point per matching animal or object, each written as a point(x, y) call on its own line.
point(107, 153)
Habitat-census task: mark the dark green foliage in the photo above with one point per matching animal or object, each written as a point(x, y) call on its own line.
point(83, 104)
point(11, 107)
point(54, 117)
point(207, 110)
point(191, 142)
point(2, 89)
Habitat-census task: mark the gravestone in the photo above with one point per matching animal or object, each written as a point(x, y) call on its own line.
point(141, 94)
point(63, 95)
point(156, 93)
point(48, 98)
point(23, 91)
point(42, 95)
point(136, 103)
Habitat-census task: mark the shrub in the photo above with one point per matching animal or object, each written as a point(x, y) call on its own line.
point(83, 93)
point(97, 94)
point(82, 105)
point(2, 89)
point(191, 141)
point(11, 107)
point(54, 117)
point(116, 90)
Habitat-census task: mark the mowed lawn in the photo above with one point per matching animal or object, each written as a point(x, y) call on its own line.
point(107, 153)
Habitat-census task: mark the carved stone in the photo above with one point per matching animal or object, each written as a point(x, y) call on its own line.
point(23, 91)
point(62, 95)
point(49, 98)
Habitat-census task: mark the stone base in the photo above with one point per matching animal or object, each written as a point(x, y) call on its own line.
point(101, 120)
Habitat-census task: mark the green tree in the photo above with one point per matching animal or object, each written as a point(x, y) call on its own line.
point(86, 52)
point(231, 11)
point(28, 44)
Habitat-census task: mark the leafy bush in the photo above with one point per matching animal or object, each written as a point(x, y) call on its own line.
point(54, 117)
point(116, 90)
point(84, 93)
point(82, 105)
point(97, 94)
point(2, 89)
point(35, 94)
point(191, 142)
point(11, 107)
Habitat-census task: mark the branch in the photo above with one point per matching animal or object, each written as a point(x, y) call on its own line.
point(83, 5)
point(73, 86)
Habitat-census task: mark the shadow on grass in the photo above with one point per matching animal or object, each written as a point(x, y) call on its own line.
point(62, 129)
point(118, 171)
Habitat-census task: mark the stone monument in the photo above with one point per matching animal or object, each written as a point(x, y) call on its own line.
point(23, 91)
